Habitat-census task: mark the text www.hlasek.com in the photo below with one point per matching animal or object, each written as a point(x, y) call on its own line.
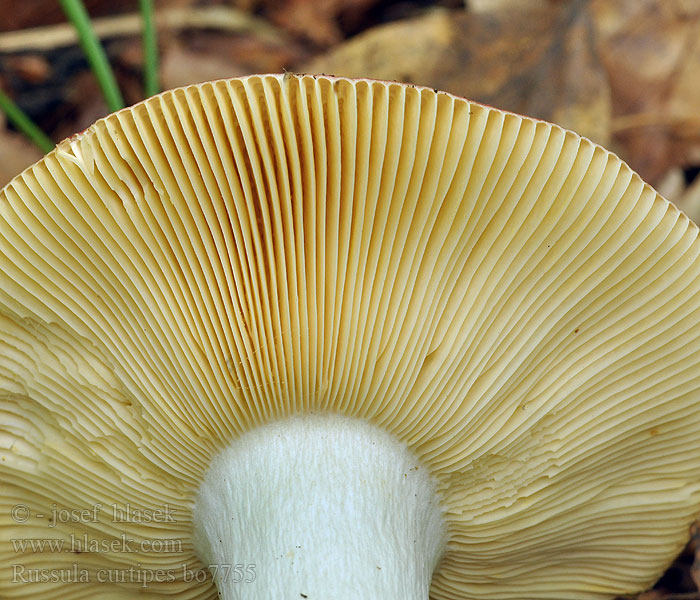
point(78, 544)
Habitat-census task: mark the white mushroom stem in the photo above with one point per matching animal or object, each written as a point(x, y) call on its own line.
point(319, 507)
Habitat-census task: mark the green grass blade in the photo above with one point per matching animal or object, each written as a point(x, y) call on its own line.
point(76, 13)
point(151, 85)
point(20, 119)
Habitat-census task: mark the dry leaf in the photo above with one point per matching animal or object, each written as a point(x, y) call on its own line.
point(205, 56)
point(316, 20)
point(539, 61)
point(651, 52)
point(32, 68)
point(408, 51)
point(695, 534)
point(182, 66)
point(650, 595)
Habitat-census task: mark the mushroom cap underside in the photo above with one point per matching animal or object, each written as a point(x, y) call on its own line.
point(505, 297)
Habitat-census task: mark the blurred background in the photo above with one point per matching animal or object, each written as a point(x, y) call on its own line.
point(625, 73)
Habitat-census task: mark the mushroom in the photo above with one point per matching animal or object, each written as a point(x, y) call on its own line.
point(310, 337)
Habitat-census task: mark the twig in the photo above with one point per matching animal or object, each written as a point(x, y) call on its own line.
point(221, 18)
point(624, 123)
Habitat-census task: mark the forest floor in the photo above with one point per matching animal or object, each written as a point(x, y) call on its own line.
point(625, 74)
